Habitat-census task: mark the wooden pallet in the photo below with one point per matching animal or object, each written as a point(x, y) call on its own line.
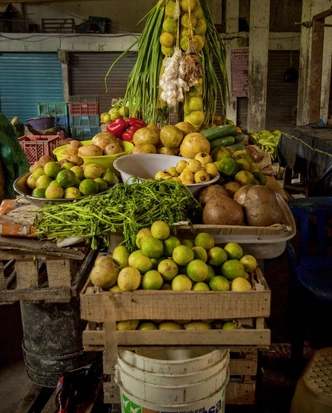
point(29, 273)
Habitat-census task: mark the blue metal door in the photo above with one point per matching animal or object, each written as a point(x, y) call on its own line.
point(25, 80)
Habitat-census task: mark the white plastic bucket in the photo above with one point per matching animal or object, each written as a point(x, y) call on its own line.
point(191, 384)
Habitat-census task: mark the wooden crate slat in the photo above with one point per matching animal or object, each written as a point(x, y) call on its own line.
point(59, 273)
point(27, 273)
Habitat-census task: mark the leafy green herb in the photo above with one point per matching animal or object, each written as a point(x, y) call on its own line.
point(125, 208)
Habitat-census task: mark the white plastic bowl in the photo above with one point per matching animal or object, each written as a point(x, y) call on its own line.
point(145, 166)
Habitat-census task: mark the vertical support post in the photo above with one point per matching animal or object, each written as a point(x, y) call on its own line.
point(232, 26)
point(258, 63)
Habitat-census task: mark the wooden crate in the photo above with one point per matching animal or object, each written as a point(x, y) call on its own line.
point(240, 389)
point(103, 309)
point(41, 274)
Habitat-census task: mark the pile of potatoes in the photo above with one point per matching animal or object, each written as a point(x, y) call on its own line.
point(103, 143)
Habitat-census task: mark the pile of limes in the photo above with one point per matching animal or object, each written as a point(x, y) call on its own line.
point(178, 325)
point(69, 181)
point(163, 261)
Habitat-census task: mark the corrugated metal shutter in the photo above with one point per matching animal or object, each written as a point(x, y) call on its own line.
point(281, 95)
point(25, 80)
point(87, 72)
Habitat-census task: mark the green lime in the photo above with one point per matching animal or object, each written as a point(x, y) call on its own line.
point(39, 192)
point(88, 187)
point(52, 169)
point(66, 178)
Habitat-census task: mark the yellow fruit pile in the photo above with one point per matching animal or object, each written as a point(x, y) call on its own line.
point(164, 262)
point(199, 170)
point(56, 180)
point(178, 325)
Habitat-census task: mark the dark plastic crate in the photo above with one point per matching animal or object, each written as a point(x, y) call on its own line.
point(82, 133)
point(62, 122)
point(83, 108)
point(52, 108)
point(84, 120)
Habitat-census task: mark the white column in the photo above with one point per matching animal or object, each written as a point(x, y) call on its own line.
point(258, 62)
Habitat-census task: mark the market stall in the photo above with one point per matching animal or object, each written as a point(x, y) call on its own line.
point(306, 150)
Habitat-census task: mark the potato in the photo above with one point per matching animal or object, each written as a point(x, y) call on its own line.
point(72, 147)
point(261, 206)
point(211, 191)
point(241, 193)
point(90, 150)
point(103, 139)
point(113, 148)
point(75, 159)
point(223, 210)
point(44, 159)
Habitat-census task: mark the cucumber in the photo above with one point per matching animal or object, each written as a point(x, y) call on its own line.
point(226, 141)
point(239, 136)
point(237, 146)
point(217, 132)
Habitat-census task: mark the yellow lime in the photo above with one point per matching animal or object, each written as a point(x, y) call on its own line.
point(200, 27)
point(160, 230)
point(67, 165)
point(182, 255)
point(195, 103)
point(234, 251)
point(187, 5)
point(153, 247)
point(188, 242)
point(142, 235)
point(39, 192)
point(168, 269)
point(197, 325)
point(71, 193)
point(78, 171)
point(181, 283)
point(170, 25)
point(102, 184)
point(229, 325)
point(152, 280)
point(188, 20)
point(101, 258)
point(127, 325)
point(52, 169)
point(169, 9)
point(216, 256)
point(169, 244)
point(249, 262)
point(232, 269)
point(66, 178)
point(105, 274)
point(109, 176)
point(219, 283)
point(43, 181)
point(142, 263)
point(88, 187)
point(240, 284)
point(54, 191)
point(31, 182)
point(171, 136)
point(197, 270)
point(211, 274)
point(93, 170)
point(166, 39)
point(121, 255)
point(201, 286)
point(133, 256)
point(200, 253)
point(115, 289)
point(205, 240)
point(129, 279)
point(37, 173)
point(147, 325)
point(170, 325)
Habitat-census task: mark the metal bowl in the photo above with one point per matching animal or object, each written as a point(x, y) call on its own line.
point(21, 187)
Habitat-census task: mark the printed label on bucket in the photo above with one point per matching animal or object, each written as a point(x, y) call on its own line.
point(128, 406)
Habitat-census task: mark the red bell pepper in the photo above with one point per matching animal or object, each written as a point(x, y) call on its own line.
point(117, 127)
point(134, 124)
